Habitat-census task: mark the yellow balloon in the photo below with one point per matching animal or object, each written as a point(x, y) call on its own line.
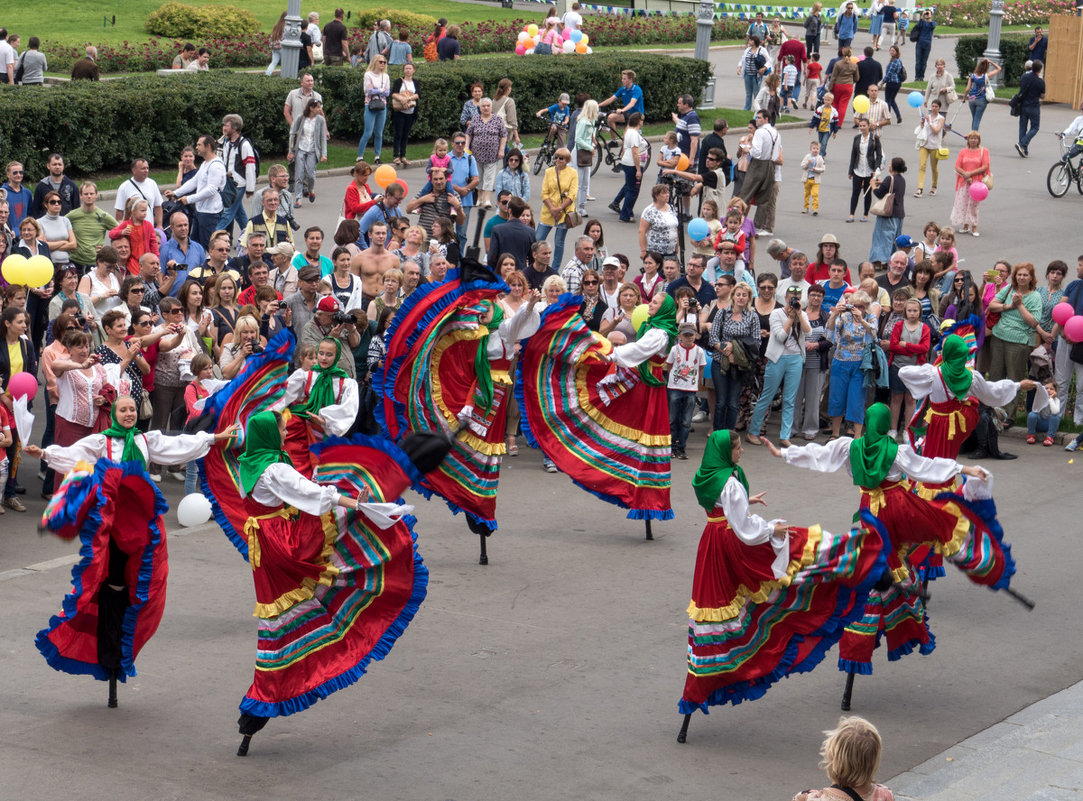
point(861, 104)
point(639, 315)
point(532, 29)
point(14, 269)
point(585, 40)
point(38, 271)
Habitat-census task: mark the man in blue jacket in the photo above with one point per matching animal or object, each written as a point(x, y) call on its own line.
point(847, 26)
point(924, 43)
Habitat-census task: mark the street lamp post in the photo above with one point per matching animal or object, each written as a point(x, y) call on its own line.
point(704, 26)
point(992, 47)
point(291, 40)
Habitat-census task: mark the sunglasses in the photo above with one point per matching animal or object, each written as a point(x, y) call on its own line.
point(136, 290)
point(590, 283)
point(52, 202)
point(143, 322)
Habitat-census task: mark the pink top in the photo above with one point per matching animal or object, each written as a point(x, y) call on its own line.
point(968, 160)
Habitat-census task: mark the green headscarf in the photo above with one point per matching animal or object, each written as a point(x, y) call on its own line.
point(715, 469)
point(957, 375)
point(872, 455)
point(323, 388)
point(482, 368)
point(665, 319)
point(262, 448)
point(131, 451)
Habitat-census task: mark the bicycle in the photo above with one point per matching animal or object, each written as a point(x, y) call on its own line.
point(548, 148)
point(609, 149)
point(1064, 172)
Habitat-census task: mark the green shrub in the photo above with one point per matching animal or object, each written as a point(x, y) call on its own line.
point(1013, 52)
point(536, 83)
point(103, 126)
point(367, 18)
point(186, 22)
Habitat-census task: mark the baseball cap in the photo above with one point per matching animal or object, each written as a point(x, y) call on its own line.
point(282, 249)
point(328, 304)
point(612, 261)
point(904, 241)
point(688, 327)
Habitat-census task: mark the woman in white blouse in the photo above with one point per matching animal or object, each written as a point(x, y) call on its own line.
point(79, 382)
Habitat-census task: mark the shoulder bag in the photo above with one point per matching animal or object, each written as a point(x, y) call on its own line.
point(572, 218)
point(882, 206)
point(987, 179)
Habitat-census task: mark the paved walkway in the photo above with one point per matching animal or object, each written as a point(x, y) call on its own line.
point(1034, 755)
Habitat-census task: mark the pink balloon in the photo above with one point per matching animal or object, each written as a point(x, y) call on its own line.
point(24, 385)
point(1073, 328)
point(1062, 313)
point(978, 191)
point(519, 49)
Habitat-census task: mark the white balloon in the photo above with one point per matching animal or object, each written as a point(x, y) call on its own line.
point(529, 52)
point(589, 50)
point(569, 46)
point(193, 510)
point(523, 36)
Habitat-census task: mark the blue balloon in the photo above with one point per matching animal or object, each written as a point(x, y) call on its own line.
point(915, 98)
point(698, 229)
point(577, 35)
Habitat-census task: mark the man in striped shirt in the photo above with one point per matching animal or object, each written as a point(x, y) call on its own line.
point(688, 127)
point(879, 114)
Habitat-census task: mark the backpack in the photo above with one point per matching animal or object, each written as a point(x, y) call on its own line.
point(238, 162)
point(902, 72)
point(915, 33)
point(1015, 105)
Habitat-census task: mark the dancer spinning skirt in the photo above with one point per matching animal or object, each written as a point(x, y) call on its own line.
point(600, 413)
point(108, 501)
point(768, 600)
point(321, 402)
point(948, 394)
point(337, 579)
point(913, 527)
point(449, 351)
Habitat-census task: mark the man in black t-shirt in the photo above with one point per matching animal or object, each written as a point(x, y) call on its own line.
point(714, 139)
point(304, 56)
point(334, 40)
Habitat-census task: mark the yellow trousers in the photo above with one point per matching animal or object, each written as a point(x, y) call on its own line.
point(928, 154)
point(812, 194)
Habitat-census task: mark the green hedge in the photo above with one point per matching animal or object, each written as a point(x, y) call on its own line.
point(1013, 52)
point(103, 126)
point(536, 83)
point(186, 22)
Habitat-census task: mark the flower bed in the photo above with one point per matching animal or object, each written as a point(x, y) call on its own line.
point(252, 50)
point(975, 13)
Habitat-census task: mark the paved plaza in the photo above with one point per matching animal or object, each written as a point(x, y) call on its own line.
point(555, 672)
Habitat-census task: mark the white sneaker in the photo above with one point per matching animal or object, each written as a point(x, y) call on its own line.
point(176, 475)
point(892, 434)
point(156, 477)
point(764, 233)
point(699, 417)
point(550, 467)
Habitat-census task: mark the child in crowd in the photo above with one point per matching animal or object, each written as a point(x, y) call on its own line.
point(813, 72)
point(669, 153)
point(558, 113)
point(733, 232)
point(5, 442)
point(686, 360)
point(826, 121)
point(945, 243)
point(812, 165)
point(306, 356)
point(439, 158)
point(851, 757)
point(324, 288)
point(789, 83)
point(901, 28)
point(200, 388)
point(746, 258)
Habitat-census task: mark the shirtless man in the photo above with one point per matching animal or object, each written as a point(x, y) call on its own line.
point(371, 264)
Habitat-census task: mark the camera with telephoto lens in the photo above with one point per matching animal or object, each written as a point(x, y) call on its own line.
point(680, 187)
point(256, 348)
point(795, 303)
point(341, 318)
point(80, 320)
point(296, 226)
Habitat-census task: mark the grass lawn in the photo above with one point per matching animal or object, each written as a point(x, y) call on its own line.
point(80, 21)
point(1005, 92)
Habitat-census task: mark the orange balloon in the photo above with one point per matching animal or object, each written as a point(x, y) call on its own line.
point(581, 47)
point(385, 174)
point(682, 162)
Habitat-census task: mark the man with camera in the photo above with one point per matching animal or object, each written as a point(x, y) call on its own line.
point(179, 255)
point(798, 262)
point(302, 303)
point(693, 279)
point(272, 222)
point(330, 321)
point(203, 190)
point(710, 182)
point(278, 180)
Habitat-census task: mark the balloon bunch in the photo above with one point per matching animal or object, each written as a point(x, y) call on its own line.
point(35, 272)
point(530, 37)
point(1064, 315)
point(385, 175)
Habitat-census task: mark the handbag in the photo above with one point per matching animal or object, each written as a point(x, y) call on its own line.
point(883, 206)
point(145, 409)
point(988, 180)
point(584, 158)
point(942, 152)
point(572, 218)
point(377, 104)
point(921, 136)
point(990, 95)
